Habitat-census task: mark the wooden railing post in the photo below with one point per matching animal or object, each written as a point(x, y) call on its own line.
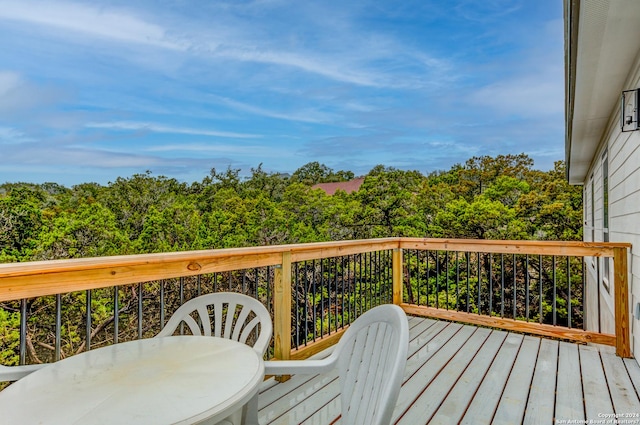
point(397, 276)
point(282, 311)
point(621, 294)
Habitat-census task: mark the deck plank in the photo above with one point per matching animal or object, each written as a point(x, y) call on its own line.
point(486, 399)
point(625, 399)
point(594, 384)
point(468, 375)
point(512, 404)
point(634, 373)
point(419, 333)
point(456, 402)
point(420, 337)
point(426, 404)
point(297, 399)
point(428, 362)
point(569, 404)
point(541, 402)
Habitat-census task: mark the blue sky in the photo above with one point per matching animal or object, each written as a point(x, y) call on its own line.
point(90, 91)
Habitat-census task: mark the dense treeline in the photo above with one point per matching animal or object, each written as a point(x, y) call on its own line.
point(487, 197)
point(499, 197)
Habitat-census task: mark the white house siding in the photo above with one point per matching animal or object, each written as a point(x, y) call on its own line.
point(599, 297)
point(623, 152)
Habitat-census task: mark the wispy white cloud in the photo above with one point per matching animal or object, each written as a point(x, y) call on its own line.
point(19, 95)
point(217, 148)
point(530, 87)
point(523, 96)
point(96, 21)
point(487, 10)
point(313, 63)
point(8, 81)
point(308, 115)
point(237, 82)
point(11, 135)
point(159, 128)
point(351, 63)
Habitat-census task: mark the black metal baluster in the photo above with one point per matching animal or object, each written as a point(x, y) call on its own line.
point(87, 329)
point(181, 289)
point(526, 279)
point(490, 283)
point(116, 314)
point(23, 331)
point(515, 299)
point(553, 301)
point(428, 280)
point(540, 287)
point(139, 310)
point(58, 334)
point(569, 306)
point(468, 256)
point(437, 279)
point(479, 285)
point(162, 304)
point(446, 277)
point(502, 285)
point(457, 280)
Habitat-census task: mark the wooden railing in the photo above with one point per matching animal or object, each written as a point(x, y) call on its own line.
point(25, 281)
point(550, 250)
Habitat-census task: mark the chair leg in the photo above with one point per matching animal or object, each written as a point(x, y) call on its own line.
point(250, 412)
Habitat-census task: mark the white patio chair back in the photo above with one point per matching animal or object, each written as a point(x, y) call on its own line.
point(13, 373)
point(370, 357)
point(225, 315)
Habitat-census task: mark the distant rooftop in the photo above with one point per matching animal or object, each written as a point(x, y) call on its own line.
point(349, 186)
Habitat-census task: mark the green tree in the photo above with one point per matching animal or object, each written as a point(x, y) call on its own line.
point(553, 207)
point(90, 231)
point(175, 228)
point(130, 199)
point(20, 223)
point(388, 203)
point(314, 173)
point(480, 172)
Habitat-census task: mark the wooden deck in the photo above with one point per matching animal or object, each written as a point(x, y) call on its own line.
point(470, 375)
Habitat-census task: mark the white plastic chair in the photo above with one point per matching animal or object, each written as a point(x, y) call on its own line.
point(232, 324)
point(13, 373)
point(370, 357)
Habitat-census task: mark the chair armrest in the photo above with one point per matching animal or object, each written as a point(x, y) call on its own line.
point(293, 367)
point(13, 373)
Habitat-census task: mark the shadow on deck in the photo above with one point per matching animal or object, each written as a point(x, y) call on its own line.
point(470, 375)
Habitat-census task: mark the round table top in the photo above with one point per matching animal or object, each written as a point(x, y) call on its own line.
point(176, 379)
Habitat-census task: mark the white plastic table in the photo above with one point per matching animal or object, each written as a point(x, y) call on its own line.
point(170, 380)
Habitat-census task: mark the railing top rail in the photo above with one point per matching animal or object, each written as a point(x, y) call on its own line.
point(47, 266)
point(38, 278)
point(568, 248)
point(30, 279)
point(37, 267)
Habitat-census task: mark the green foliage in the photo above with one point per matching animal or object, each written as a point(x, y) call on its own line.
point(491, 198)
point(89, 231)
point(9, 337)
point(314, 173)
point(20, 222)
point(388, 203)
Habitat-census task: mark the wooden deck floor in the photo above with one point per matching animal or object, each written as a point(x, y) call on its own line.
point(469, 375)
